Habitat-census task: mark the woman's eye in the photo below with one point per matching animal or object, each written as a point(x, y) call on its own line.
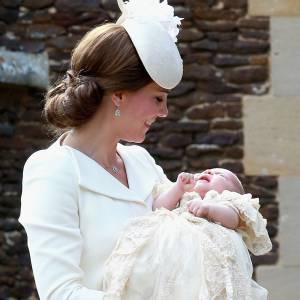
point(159, 99)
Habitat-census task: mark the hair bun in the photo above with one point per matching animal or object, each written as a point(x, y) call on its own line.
point(83, 88)
point(73, 101)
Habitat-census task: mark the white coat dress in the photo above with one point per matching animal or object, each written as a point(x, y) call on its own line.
point(73, 212)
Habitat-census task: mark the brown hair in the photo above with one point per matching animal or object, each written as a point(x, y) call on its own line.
point(105, 60)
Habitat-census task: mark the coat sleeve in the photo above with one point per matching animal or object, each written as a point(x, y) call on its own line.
point(49, 214)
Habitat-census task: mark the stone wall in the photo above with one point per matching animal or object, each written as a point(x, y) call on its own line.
point(225, 56)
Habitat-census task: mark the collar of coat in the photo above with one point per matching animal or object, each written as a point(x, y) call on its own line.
point(141, 174)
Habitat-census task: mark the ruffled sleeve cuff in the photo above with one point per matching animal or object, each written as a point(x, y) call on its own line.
point(252, 225)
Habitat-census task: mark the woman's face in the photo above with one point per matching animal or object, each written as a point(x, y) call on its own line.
point(140, 110)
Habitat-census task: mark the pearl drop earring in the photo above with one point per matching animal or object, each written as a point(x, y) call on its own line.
point(117, 112)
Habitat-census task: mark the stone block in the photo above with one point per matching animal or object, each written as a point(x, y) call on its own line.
point(183, 88)
point(269, 182)
point(170, 165)
point(190, 35)
point(32, 4)
point(234, 110)
point(11, 3)
point(77, 5)
point(24, 68)
point(282, 283)
point(220, 25)
point(244, 47)
point(241, 75)
point(203, 163)
point(196, 150)
point(285, 57)
point(209, 14)
point(218, 86)
point(234, 166)
point(228, 60)
point(44, 31)
point(271, 131)
point(166, 153)
point(187, 126)
point(8, 15)
point(234, 152)
point(205, 45)
point(254, 23)
point(198, 57)
point(199, 72)
point(235, 3)
point(206, 111)
point(222, 36)
point(221, 138)
point(226, 124)
point(254, 34)
point(289, 222)
point(274, 8)
point(177, 140)
point(259, 60)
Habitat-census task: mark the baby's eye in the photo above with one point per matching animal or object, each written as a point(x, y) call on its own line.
point(220, 174)
point(159, 99)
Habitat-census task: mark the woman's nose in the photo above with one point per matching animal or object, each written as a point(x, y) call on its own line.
point(163, 112)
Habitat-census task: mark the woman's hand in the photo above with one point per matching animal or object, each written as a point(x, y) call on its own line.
point(198, 207)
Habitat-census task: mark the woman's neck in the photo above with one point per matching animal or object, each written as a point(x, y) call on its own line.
point(98, 143)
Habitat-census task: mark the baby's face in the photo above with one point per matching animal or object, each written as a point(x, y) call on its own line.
point(217, 179)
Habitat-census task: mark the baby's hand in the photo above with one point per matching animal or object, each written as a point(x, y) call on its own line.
point(186, 182)
point(198, 207)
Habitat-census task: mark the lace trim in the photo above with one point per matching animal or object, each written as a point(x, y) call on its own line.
point(223, 277)
point(253, 225)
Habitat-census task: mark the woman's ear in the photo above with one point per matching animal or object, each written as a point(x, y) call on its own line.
point(118, 98)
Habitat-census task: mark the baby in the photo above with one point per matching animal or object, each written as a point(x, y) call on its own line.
point(216, 179)
point(176, 253)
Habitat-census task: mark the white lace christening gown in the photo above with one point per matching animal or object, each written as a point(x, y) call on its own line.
point(173, 255)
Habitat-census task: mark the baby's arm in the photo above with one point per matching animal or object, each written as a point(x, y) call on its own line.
point(215, 212)
point(169, 199)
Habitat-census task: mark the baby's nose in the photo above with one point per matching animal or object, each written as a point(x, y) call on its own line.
point(208, 172)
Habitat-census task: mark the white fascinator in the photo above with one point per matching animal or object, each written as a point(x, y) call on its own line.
point(153, 29)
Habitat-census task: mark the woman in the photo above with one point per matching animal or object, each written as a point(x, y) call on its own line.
point(79, 193)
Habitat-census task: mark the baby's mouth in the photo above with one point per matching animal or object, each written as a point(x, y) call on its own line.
point(204, 177)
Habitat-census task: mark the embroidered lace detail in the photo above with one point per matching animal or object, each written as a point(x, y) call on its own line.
point(253, 225)
point(191, 258)
point(119, 265)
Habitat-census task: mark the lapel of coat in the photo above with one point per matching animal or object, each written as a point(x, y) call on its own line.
point(92, 176)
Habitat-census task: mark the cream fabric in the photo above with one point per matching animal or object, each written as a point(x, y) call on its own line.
point(175, 255)
point(73, 212)
point(152, 28)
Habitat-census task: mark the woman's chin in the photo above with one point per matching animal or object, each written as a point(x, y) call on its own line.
point(137, 139)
